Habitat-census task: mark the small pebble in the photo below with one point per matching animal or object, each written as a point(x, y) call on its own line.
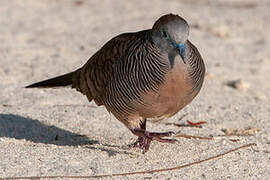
point(221, 31)
point(249, 131)
point(238, 84)
point(82, 48)
point(209, 76)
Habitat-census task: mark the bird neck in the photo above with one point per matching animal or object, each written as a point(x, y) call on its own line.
point(196, 67)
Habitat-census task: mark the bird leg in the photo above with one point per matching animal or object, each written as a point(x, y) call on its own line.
point(145, 137)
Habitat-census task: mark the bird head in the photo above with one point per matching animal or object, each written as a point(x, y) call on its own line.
point(170, 32)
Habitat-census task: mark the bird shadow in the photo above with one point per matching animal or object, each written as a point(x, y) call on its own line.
point(18, 127)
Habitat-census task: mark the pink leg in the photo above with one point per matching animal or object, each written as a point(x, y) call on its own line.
point(145, 137)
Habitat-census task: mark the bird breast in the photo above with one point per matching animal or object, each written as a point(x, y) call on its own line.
point(153, 85)
point(171, 96)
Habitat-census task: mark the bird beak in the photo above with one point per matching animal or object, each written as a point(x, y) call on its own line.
point(181, 48)
point(182, 52)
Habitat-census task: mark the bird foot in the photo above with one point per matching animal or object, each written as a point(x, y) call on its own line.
point(144, 138)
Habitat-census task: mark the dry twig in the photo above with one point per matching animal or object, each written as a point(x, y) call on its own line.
point(137, 172)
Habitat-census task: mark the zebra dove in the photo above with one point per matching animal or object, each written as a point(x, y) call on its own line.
point(146, 75)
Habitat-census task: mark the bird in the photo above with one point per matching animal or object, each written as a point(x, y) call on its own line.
point(148, 75)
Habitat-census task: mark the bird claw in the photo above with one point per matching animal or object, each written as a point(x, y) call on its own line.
point(144, 139)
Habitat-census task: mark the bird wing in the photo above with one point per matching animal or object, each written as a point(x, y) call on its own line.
point(124, 68)
point(96, 74)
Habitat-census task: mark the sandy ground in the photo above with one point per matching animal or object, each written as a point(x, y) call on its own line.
point(48, 132)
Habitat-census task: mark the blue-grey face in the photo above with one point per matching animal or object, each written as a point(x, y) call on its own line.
point(179, 46)
point(172, 32)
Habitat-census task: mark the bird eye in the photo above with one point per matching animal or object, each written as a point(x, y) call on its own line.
point(165, 34)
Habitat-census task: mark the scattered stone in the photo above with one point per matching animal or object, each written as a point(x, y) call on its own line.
point(260, 97)
point(209, 76)
point(78, 3)
point(221, 31)
point(195, 26)
point(260, 42)
point(6, 105)
point(82, 48)
point(249, 131)
point(238, 84)
point(245, 5)
point(217, 64)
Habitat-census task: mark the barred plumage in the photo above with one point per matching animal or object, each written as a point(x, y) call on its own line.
point(151, 74)
point(197, 68)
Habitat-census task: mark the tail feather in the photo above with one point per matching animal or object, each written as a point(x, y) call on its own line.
point(63, 80)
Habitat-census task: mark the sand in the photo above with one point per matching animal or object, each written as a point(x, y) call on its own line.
point(57, 132)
